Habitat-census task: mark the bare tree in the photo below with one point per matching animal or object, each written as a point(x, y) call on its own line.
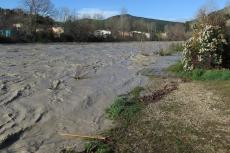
point(41, 7)
point(35, 8)
point(124, 24)
point(63, 14)
point(175, 32)
point(97, 22)
point(151, 29)
point(208, 15)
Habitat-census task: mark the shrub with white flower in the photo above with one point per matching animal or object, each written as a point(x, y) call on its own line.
point(204, 49)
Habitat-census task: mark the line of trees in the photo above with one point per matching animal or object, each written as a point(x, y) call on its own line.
point(39, 16)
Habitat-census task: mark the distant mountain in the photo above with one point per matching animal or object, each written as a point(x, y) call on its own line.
point(225, 11)
point(134, 23)
point(134, 20)
point(9, 17)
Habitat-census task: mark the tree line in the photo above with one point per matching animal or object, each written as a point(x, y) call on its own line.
point(39, 16)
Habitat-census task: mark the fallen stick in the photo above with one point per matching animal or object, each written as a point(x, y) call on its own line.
point(83, 136)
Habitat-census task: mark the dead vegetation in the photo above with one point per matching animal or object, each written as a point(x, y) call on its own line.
point(81, 72)
point(155, 95)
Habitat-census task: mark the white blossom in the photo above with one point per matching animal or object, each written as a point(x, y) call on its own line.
point(205, 49)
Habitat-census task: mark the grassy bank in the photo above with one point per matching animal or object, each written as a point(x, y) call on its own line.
point(200, 74)
point(193, 119)
point(125, 111)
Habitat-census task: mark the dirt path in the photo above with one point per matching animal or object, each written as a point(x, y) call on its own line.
point(189, 119)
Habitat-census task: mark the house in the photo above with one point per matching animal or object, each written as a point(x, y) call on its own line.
point(6, 32)
point(141, 34)
point(163, 35)
point(102, 33)
point(125, 34)
point(57, 31)
point(17, 26)
point(40, 30)
point(148, 35)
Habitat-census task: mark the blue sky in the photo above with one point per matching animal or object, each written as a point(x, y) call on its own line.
point(179, 10)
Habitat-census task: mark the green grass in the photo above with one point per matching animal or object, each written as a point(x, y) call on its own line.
point(200, 74)
point(125, 106)
point(123, 109)
point(98, 147)
point(176, 68)
point(135, 93)
point(176, 47)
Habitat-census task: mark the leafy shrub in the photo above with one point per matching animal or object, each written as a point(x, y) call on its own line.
point(204, 49)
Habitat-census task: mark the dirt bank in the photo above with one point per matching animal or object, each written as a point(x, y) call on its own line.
point(194, 118)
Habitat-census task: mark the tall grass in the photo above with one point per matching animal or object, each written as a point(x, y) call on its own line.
point(172, 49)
point(125, 106)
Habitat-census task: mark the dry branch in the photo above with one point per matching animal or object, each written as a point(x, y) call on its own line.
point(83, 136)
point(158, 94)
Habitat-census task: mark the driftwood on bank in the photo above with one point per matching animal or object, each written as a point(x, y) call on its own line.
point(83, 136)
point(158, 94)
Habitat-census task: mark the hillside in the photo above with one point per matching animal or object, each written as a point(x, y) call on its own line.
point(159, 24)
point(12, 16)
point(9, 17)
point(83, 29)
point(133, 23)
point(225, 12)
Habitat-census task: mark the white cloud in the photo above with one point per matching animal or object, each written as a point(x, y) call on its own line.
point(92, 11)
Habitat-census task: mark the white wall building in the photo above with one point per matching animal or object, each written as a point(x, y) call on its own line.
point(58, 31)
point(17, 26)
point(147, 35)
point(102, 33)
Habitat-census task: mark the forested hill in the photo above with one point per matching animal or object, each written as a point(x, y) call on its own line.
point(9, 17)
point(12, 16)
point(37, 27)
point(136, 22)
